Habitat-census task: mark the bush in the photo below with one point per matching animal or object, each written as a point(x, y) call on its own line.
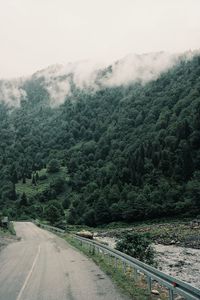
point(42, 177)
point(52, 214)
point(53, 166)
point(58, 184)
point(137, 246)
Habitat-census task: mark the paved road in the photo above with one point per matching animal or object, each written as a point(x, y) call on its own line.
point(43, 266)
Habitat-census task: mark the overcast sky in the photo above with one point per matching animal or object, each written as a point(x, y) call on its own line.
point(38, 33)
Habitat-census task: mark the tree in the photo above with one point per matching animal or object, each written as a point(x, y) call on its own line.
point(72, 215)
point(23, 179)
point(102, 213)
point(57, 184)
point(138, 246)
point(89, 218)
point(193, 191)
point(23, 200)
point(33, 180)
point(37, 176)
point(52, 213)
point(14, 177)
point(66, 203)
point(53, 166)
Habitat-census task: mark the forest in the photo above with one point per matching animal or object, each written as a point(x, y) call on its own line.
point(125, 153)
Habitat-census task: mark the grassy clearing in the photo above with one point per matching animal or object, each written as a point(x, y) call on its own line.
point(42, 185)
point(135, 286)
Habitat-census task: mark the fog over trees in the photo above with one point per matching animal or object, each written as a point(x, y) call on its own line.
point(124, 152)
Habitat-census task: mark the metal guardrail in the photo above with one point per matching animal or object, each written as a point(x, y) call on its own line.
point(50, 228)
point(174, 285)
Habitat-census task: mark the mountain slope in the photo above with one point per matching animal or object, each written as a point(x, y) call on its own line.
point(59, 81)
point(132, 151)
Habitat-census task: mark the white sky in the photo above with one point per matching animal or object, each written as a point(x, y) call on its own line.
point(38, 33)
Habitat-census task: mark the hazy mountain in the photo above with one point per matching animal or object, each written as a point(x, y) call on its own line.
point(59, 81)
point(125, 145)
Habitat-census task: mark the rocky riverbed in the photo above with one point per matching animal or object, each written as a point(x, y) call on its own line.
point(174, 257)
point(180, 262)
point(184, 234)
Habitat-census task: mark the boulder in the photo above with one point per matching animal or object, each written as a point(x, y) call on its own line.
point(155, 292)
point(85, 234)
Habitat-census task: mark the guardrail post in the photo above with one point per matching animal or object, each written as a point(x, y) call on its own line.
point(115, 262)
point(124, 266)
point(149, 282)
point(171, 294)
point(93, 250)
point(109, 259)
point(135, 274)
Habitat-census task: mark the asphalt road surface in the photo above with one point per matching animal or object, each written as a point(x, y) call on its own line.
point(43, 266)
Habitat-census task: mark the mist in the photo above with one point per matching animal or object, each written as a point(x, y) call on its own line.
point(58, 79)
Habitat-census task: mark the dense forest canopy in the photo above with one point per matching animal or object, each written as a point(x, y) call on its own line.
point(128, 153)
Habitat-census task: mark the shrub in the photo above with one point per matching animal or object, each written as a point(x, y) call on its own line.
point(53, 212)
point(137, 246)
point(43, 177)
point(53, 166)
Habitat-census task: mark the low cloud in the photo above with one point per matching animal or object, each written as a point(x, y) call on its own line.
point(141, 68)
point(11, 92)
point(58, 79)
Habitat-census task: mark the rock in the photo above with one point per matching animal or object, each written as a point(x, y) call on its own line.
point(85, 234)
point(179, 298)
point(155, 292)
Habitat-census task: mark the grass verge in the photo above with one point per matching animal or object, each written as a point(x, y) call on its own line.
point(135, 286)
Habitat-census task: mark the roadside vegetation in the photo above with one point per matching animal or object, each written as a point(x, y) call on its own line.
point(132, 285)
point(138, 246)
point(7, 234)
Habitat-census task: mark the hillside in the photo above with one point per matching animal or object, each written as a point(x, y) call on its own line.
point(41, 186)
point(132, 151)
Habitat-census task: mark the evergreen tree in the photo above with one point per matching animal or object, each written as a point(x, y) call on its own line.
point(23, 200)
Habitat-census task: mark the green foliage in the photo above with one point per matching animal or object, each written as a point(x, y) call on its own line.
point(131, 153)
point(137, 246)
point(53, 212)
point(130, 286)
point(101, 212)
point(66, 203)
point(53, 166)
point(23, 200)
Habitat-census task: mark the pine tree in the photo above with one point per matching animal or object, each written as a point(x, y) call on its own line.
point(23, 201)
point(33, 180)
